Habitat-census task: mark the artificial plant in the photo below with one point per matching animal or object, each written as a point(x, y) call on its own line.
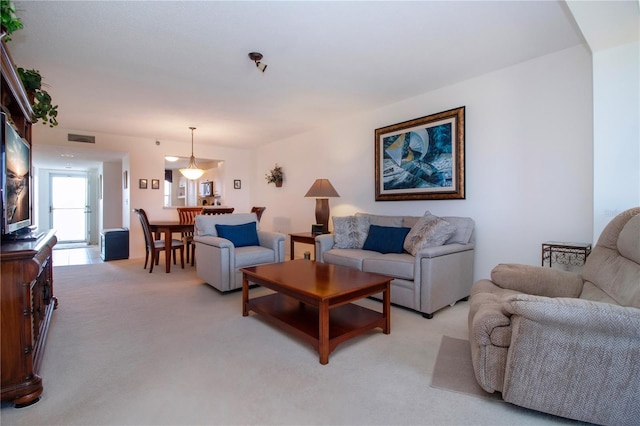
point(275, 175)
point(9, 21)
point(41, 101)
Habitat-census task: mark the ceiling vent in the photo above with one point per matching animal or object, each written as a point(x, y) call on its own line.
point(81, 138)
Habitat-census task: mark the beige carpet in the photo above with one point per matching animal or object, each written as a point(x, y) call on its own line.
point(131, 348)
point(453, 370)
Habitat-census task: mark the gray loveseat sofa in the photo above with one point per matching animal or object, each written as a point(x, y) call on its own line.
point(429, 280)
point(218, 260)
point(564, 343)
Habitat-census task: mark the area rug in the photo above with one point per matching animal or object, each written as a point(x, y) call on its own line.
point(453, 370)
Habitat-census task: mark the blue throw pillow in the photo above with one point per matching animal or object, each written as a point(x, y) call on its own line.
point(240, 235)
point(386, 239)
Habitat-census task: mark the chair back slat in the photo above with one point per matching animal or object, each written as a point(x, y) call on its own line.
point(188, 214)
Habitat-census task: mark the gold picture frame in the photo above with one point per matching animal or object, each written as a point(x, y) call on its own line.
point(421, 159)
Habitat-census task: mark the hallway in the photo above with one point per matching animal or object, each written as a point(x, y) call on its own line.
point(76, 254)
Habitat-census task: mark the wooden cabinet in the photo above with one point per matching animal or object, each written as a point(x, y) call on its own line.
point(27, 303)
point(26, 286)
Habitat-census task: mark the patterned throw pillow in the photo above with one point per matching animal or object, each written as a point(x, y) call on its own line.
point(350, 231)
point(429, 231)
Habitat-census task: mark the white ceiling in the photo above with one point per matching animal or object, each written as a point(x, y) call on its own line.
point(153, 68)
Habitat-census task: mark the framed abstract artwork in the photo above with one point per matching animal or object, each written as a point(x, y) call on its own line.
point(421, 159)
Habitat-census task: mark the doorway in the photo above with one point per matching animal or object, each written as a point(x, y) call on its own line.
point(69, 210)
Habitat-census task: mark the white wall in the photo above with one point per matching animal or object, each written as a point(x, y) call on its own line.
point(616, 95)
point(145, 160)
point(111, 195)
point(529, 160)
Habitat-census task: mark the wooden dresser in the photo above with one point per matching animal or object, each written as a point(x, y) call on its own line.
point(27, 303)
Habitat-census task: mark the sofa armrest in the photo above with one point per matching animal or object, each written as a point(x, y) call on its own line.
point(488, 316)
point(572, 313)
point(537, 280)
point(270, 239)
point(324, 242)
point(431, 252)
point(273, 241)
point(213, 241)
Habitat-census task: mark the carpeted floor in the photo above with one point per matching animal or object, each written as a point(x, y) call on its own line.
point(129, 347)
point(453, 370)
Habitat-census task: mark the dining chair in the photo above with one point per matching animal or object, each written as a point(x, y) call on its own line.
point(188, 215)
point(154, 247)
point(258, 211)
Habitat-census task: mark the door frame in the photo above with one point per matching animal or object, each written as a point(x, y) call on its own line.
point(88, 201)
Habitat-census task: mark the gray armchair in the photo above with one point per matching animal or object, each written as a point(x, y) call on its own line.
point(563, 343)
point(218, 260)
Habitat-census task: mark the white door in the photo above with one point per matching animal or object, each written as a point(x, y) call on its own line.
point(69, 207)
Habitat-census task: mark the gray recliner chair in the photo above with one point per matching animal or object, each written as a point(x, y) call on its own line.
point(218, 260)
point(564, 343)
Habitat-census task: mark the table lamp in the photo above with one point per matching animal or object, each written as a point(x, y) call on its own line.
point(321, 190)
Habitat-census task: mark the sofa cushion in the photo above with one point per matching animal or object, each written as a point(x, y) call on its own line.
point(253, 255)
point(350, 231)
point(595, 294)
point(429, 231)
point(352, 258)
point(379, 220)
point(240, 235)
point(409, 221)
point(464, 229)
point(392, 264)
point(385, 239)
point(629, 240)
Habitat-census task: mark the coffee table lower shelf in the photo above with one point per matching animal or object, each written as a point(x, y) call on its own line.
point(303, 320)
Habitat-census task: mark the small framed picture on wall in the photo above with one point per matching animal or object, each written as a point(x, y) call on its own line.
point(143, 184)
point(237, 184)
point(155, 183)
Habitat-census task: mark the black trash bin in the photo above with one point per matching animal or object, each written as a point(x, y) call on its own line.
point(114, 244)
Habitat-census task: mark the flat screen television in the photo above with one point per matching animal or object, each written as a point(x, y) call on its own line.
point(16, 182)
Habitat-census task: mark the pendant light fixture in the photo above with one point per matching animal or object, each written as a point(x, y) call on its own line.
point(192, 171)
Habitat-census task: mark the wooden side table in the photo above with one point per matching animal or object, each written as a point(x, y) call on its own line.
point(302, 237)
point(574, 254)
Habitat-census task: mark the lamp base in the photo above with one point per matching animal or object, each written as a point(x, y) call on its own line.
point(322, 213)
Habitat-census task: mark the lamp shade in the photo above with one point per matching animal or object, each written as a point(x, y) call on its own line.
point(192, 171)
point(322, 188)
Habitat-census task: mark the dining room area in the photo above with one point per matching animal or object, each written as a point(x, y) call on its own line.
point(174, 237)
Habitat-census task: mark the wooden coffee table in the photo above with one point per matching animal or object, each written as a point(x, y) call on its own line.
point(313, 301)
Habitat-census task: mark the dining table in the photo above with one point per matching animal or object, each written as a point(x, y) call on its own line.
point(167, 228)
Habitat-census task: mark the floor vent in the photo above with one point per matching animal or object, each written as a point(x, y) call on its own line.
point(82, 138)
